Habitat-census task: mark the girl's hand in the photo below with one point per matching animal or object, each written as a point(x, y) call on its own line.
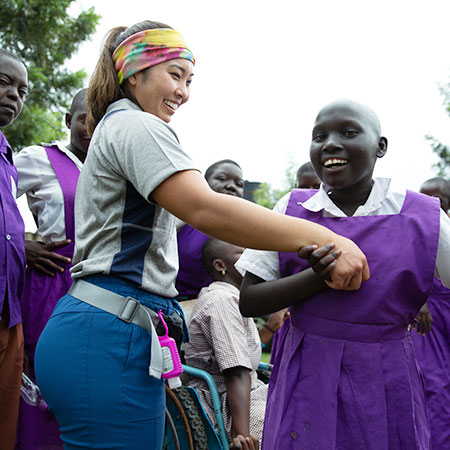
point(244, 443)
point(321, 259)
point(41, 257)
point(277, 319)
point(423, 321)
point(351, 266)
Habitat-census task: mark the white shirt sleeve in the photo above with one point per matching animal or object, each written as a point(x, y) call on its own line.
point(443, 253)
point(28, 170)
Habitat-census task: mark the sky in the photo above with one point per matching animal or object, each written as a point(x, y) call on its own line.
point(265, 68)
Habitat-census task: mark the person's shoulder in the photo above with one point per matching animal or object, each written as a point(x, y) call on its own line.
point(126, 117)
point(35, 152)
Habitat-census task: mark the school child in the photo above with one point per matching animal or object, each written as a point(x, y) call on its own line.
point(13, 89)
point(228, 345)
point(306, 177)
point(98, 361)
point(48, 175)
point(224, 177)
point(433, 346)
point(346, 376)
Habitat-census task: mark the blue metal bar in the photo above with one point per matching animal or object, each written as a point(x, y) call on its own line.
point(215, 400)
point(265, 366)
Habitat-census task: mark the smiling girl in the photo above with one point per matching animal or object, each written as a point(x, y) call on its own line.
point(92, 360)
point(345, 374)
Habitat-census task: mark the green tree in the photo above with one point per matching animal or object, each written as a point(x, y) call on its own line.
point(266, 196)
point(45, 36)
point(442, 150)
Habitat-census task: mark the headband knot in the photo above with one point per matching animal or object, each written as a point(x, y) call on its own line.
point(148, 48)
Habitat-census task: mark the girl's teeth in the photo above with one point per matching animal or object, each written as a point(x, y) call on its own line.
point(330, 162)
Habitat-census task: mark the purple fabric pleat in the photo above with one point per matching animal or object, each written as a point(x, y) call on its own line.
point(192, 276)
point(345, 374)
point(433, 355)
point(36, 428)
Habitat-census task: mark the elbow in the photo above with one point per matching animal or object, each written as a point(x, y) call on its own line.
point(244, 306)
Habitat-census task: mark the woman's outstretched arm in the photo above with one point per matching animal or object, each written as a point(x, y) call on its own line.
point(187, 195)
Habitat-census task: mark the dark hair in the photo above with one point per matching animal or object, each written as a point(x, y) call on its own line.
point(104, 87)
point(79, 101)
point(210, 170)
point(210, 252)
point(305, 168)
point(8, 54)
point(441, 182)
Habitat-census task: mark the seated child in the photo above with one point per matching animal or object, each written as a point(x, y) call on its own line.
point(433, 348)
point(346, 375)
point(227, 345)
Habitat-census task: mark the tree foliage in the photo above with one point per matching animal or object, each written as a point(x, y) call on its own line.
point(442, 150)
point(45, 36)
point(267, 196)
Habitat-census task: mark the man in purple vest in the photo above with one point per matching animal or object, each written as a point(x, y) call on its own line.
point(13, 88)
point(48, 174)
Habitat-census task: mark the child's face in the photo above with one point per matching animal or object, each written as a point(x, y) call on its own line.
point(345, 145)
point(308, 181)
point(230, 254)
point(434, 190)
point(227, 179)
point(79, 137)
point(13, 88)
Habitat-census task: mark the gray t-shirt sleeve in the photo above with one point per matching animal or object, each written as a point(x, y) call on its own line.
point(143, 149)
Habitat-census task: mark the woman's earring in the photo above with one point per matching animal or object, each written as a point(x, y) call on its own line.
point(224, 272)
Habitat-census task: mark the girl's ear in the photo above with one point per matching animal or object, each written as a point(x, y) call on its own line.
point(219, 265)
point(382, 147)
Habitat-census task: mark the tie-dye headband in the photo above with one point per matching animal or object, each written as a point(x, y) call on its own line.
point(148, 48)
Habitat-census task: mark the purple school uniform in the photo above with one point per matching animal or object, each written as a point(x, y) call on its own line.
point(39, 428)
point(433, 355)
point(12, 237)
point(346, 376)
point(192, 276)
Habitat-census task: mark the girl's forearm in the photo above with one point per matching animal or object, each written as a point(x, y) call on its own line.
point(259, 297)
point(238, 384)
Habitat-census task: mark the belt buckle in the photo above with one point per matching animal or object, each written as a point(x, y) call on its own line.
point(128, 310)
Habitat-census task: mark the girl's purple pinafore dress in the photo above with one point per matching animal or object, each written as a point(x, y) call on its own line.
point(346, 376)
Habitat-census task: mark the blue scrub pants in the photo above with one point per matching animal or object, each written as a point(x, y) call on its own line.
point(92, 369)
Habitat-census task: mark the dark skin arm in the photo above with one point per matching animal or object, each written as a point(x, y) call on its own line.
point(274, 323)
point(238, 384)
point(259, 297)
point(41, 257)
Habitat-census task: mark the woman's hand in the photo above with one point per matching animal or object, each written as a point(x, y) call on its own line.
point(351, 266)
point(41, 257)
point(244, 443)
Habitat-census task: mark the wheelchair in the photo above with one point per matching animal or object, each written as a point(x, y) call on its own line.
point(187, 424)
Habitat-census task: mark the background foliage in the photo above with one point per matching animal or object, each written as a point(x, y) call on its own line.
point(266, 196)
point(45, 36)
point(442, 150)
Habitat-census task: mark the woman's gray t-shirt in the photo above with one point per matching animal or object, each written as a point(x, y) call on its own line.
point(119, 230)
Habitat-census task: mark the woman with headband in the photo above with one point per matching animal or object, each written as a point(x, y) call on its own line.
point(96, 362)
